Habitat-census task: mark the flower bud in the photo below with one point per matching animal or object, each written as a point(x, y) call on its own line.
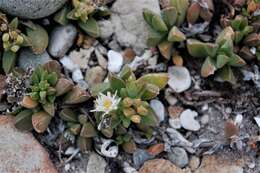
point(127, 102)
point(137, 102)
point(136, 119)
point(15, 48)
point(141, 110)
point(129, 111)
point(19, 40)
point(5, 37)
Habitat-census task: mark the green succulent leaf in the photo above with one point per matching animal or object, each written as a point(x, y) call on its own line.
point(90, 27)
point(158, 79)
point(169, 16)
point(88, 130)
point(226, 47)
point(226, 34)
point(100, 88)
point(154, 38)
point(222, 60)
point(116, 83)
point(14, 24)
point(181, 7)
point(61, 16)
point(199, 49)
point(126, 73)
point(148, 15)
point(166, 49)
point(150, 119)
point(76, 96)
point(68, 115)
point(150, 92)
point(52, 78)
point(158, 24)
point(236, 61)
point(39, 38)
point(126, 121)
point(226, 74)
point(8, 61)
point(49, 108)
point(175, 35)
point(208, 68)
point(23, 120)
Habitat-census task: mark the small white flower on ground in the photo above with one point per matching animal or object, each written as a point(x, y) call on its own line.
point(106, 104)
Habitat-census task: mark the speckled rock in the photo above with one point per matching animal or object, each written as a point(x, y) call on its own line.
point(96, 164)
point(20, 152)
point(130, 29)
point(27, 59)
point(31, 9)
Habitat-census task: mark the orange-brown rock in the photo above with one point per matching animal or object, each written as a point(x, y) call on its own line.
point(20, 152)
point(160, 166)
point(220, 165)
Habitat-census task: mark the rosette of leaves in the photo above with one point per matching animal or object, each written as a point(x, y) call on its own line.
point(84, 12)
point(163, 29)
point(241, 28)
point(38, 107)
point(79, 126)
point(220, 56)
point(133, 109)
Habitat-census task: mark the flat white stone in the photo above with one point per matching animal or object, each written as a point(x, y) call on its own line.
point(188, 121)
point(115, 61)
point(179, 78)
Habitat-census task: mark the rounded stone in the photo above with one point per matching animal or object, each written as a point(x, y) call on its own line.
point(179, 157)
point(31, 9)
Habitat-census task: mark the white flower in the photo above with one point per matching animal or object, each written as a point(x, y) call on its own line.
point(106, 103)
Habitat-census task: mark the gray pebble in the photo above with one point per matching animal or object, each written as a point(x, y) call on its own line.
point(179, 157)
point(31, 9)
point(62, 38)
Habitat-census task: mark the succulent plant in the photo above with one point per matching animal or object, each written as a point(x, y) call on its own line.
point(219, 55)
point(126, 102)
point(82, 11)
point(79, 126)
point(43, 85)
point(13, 39)
point(241, 28)
point(163, 29)
point(38, 107)
point(200, 9)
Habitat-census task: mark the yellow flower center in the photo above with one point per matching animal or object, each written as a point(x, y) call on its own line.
point(107, 103)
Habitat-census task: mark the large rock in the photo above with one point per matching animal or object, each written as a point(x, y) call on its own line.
point(20, 152)
point(31, 9)
point(130, 27)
